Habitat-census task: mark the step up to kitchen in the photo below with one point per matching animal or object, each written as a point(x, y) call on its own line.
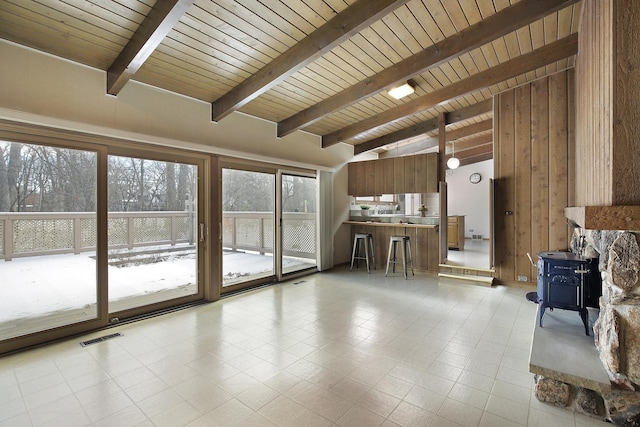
point(481, 280)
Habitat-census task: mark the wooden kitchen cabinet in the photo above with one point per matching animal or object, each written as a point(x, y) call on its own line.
point(369, 184)
point(397, 175)
point(455, 232)
point(387, 168)
point(352, 179)
point(410, 176)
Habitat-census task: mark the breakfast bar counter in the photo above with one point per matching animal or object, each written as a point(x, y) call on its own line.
point(424, 241)
point(391, 224)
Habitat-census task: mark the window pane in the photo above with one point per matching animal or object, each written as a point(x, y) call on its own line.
point(48, 237)
point(247, 217)
point(299, 212)
point(152, 231)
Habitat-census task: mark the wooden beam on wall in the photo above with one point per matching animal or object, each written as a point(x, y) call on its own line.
point(442, 147)
point(341, 27)
point(153, 29)
point(491, 28)
point(519, 65)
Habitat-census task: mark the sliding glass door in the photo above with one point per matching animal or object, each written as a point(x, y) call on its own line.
point(298, 230)
point(248, 212)
point(269, 222)
point(48, 237)
point(91, 233)
point(153, 232)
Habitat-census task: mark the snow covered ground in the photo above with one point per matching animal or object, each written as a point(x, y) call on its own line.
point(35, 286)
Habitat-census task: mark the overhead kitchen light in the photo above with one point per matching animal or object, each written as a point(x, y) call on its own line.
point(401, 91)
point(453, 161)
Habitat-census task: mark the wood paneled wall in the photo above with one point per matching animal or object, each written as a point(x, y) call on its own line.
point(534, 166)
point(608, 104)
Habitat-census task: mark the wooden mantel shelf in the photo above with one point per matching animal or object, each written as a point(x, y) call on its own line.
point(605, 217)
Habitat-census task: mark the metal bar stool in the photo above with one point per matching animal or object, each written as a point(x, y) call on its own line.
point(405, 241)
point(365, 239)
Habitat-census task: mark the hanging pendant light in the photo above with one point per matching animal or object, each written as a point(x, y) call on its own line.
point(453, 161)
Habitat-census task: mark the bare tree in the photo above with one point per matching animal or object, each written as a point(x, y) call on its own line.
point(4, 183)
point(172, 202)
point(13, 174)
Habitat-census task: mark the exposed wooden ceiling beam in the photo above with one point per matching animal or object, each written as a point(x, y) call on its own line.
point(341, 27)
point(491, 28)
point(153, 29)
point(474, 110)
point(477, 151)
point(476, 159)
point(474, 153)
point(415, 147)
point(460, 115)
point(469, 130)
point(514, 67)
point(430, 142)
point(400, 135)
point(466, 144)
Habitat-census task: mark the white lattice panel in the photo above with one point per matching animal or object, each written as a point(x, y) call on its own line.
point(184, 228)
point(88, 233)
point(248, 232)
point(227, 231)
point(268, 233)
point(118, 231)
point(151, 229)
point(299, 236)
point(42, 235)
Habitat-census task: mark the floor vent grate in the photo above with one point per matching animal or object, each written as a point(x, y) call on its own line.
point(298, 282)
point(97, 340)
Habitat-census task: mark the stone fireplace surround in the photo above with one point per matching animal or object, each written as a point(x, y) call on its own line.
point(616, 332)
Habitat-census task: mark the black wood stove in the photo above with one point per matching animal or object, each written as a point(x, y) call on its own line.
point(569, 282)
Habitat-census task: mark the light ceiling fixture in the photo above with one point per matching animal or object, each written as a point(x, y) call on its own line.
point(453, 161)
point(401, 91)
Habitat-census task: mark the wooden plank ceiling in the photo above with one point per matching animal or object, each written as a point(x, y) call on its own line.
point(323, 66)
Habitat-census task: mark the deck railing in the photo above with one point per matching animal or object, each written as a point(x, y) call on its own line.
point(24, 234)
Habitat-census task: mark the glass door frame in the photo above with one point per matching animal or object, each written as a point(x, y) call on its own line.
point(239, 165)
point(28, 134)
point(104, 146)
point(281, 275)
point(162, 154)
point(277, 171)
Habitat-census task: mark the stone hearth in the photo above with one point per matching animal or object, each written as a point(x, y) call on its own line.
point(616, 333)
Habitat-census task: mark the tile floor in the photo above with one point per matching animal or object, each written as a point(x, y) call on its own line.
point(337, 349)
